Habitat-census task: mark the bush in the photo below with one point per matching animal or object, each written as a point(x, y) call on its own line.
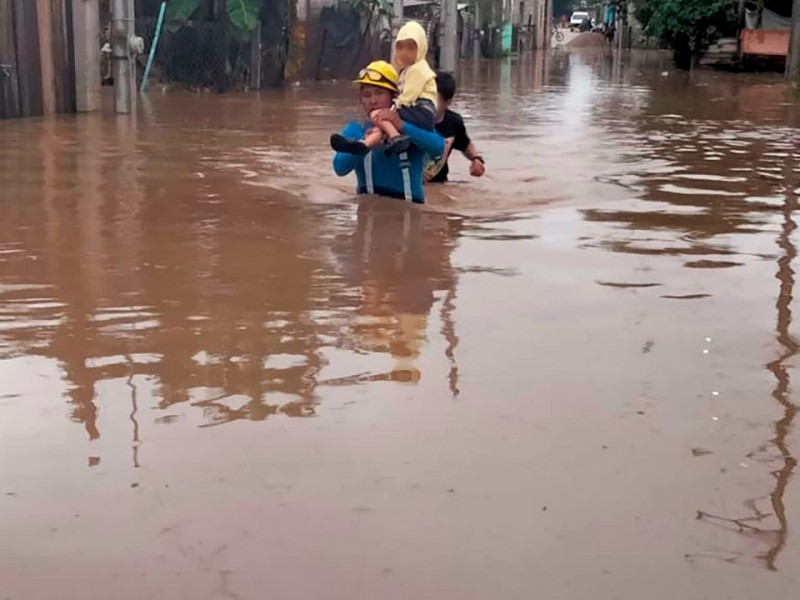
point(688, 26)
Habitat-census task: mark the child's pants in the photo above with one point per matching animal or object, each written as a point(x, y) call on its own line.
point(422, 114)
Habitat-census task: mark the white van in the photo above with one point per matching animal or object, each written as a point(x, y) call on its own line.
point(577, 18)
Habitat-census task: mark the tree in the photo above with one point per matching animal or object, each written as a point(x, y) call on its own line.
point(242, 14)
point(368, 10)
point(687, 26)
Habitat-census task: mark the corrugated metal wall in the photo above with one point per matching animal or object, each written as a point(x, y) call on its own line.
point(37, 65)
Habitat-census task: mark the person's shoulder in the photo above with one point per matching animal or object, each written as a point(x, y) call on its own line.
point(454, 117)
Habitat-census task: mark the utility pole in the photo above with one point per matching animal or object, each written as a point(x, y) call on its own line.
point(124, 46)
point(449, 52)
point(793, 58)
point(86, 25)
point(397, 17)
point(548, 22)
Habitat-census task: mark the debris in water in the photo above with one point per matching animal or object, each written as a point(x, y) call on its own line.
point(700, 452)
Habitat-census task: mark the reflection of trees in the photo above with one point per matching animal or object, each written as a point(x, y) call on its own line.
point(709, 161)
point(206, 293)
point(700, 171)
point(775, 538)
point(785, 276)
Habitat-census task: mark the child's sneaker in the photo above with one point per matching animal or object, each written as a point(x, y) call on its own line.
point(348, 146)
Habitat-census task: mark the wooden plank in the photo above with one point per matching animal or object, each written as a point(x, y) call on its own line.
point(44, 15)
point(29, 68)
point(9, 86)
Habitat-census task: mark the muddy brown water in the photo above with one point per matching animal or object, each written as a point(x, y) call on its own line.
point(222, 375)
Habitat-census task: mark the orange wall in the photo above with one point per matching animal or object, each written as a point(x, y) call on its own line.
point(768, 42)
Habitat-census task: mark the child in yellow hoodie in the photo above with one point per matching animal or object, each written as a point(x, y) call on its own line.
point(416, 100)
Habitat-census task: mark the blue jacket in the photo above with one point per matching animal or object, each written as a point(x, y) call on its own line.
point(380, 174)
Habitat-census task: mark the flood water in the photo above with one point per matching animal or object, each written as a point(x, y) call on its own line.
point(223, 375)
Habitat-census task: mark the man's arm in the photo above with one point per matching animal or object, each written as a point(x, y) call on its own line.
point(471, 153)
point(468, 149)
point(429, 142)
point(476, 165)
point(343, 163)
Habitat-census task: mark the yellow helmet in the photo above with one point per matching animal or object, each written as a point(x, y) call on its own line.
point(380, 74)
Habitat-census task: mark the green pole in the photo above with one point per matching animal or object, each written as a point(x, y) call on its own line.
point(154, 46)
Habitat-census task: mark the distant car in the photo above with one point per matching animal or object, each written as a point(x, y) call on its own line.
point(577, 18)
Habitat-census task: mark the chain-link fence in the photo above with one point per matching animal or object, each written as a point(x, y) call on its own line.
point(198, 55)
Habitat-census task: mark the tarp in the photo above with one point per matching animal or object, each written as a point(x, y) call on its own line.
point(770, 20)
point(506, 39)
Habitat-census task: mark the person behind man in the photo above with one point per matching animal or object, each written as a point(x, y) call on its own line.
point(451, 127)
point(395, 176)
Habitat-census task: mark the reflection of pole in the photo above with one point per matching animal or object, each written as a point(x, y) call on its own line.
point(134, 421)
point(793, 59)
point(451, 337)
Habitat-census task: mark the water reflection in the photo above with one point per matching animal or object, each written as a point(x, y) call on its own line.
point(700, 186)
point(780, 459)
point(398, 260)
point(782, 392)
point(178, 283)
point(191, 290)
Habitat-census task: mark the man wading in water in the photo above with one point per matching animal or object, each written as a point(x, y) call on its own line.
point(451, 127)
point(397, 176)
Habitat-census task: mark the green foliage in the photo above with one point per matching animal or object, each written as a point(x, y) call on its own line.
point(242, 14)
point(687, 25)
point(181, 10)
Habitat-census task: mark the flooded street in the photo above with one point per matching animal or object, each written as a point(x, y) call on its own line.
point(224, 375)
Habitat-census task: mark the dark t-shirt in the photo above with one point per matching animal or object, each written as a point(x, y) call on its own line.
point(452, 126)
